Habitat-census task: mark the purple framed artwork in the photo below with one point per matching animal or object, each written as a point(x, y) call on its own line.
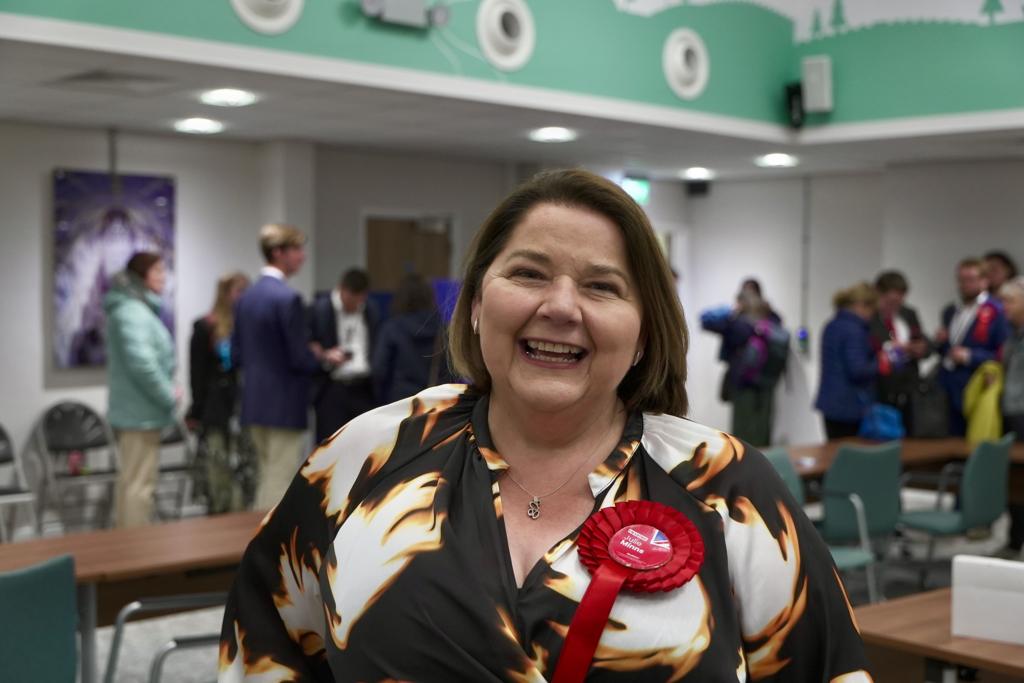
point(99, 222)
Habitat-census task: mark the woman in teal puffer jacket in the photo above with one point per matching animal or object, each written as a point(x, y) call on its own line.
point(140, 365)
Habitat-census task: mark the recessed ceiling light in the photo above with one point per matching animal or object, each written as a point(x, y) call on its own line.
point(228, 97)
point(698, 173)
point(777, 160)
point(553, 134)
point(198, 126)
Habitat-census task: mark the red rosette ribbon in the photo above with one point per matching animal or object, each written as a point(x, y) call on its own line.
point(640, 546)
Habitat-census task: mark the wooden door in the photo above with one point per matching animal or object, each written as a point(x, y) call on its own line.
point(396, 246)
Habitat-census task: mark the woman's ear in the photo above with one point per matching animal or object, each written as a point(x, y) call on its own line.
point(474, 314)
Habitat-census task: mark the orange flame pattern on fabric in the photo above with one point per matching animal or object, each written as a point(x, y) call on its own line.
point(260, 670)
point(405, 522)
point(713, 463)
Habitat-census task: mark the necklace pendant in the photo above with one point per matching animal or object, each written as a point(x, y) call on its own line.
point(533, 509)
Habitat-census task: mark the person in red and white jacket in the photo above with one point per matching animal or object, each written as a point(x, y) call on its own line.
point(972, 332)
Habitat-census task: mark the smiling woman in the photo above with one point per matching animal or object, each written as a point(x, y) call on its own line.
point(451, 536)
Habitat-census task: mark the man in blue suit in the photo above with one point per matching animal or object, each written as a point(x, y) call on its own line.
point(272, 348)
point(972, 332)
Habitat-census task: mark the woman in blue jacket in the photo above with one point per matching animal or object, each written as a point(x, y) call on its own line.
point(849, 366)
point(140, 366)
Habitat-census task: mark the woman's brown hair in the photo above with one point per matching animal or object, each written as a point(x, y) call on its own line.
point(657, 384)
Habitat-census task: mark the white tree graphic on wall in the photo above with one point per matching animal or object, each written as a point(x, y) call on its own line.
point(992, 8)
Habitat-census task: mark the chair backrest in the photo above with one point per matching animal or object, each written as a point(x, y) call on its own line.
point(779, 458)
point(983, 489)
point(37, 622)
point(873, 473)
point(73, 426)
point(6, 448)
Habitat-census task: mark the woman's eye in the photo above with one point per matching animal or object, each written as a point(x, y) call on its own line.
point(608, 287)
point(526, 273)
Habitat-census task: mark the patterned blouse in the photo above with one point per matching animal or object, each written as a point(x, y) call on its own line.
point(387, 560)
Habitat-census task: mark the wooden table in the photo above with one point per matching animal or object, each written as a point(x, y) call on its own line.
point(920, 625)
point(116, 566)
point(814, 460)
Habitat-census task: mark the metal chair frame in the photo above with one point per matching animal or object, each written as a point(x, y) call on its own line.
point(55, 484)
point(174, 603)
point(18, 493)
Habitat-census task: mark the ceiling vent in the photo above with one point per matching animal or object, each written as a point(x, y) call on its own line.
point(115, 82)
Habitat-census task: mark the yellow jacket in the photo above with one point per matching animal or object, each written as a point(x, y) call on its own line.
point(981, 403)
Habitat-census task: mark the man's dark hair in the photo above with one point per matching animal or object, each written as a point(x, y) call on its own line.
point(1005, 259)
point(355, 280)
point(891, 281)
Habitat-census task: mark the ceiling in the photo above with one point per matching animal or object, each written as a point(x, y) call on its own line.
point(35, 88)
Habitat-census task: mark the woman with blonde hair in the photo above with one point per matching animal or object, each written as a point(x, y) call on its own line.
point(457, 535)
point(214, 382)
point(849, 365)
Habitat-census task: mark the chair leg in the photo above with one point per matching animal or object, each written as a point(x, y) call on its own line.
point(927, 562)
point(872, 585)
point(4, 537)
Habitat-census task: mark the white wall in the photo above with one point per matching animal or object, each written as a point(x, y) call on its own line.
point(920, 219)
point(352, 184)
point(217, 228)
point(937, 214)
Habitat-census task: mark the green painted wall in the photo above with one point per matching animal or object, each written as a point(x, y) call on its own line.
point(880, 71)
point(583, 46)
point(919, 69)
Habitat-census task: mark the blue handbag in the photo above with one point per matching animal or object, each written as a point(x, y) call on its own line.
point(882, 423)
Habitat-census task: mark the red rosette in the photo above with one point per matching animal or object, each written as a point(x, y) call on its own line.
point(641, 546)
point(687, 544)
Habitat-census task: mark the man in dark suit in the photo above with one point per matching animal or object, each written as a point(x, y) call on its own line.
point(344, 320)
point(896, 329)
point(271, 346)
point(972, 332)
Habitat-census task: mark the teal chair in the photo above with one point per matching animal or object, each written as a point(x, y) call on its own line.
point(984, 480)
point(779, 458)
point(38, 617)
point(861, 496)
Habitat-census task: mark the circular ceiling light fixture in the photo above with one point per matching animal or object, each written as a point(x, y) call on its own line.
point(198, 125)
point(697, 173)
point(777, 160)
point(553, 134)
point(228, 97)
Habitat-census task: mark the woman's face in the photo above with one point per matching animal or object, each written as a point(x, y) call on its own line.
point(156, 277)
point(558, 311)
point(237, 288)
point(1014, 305)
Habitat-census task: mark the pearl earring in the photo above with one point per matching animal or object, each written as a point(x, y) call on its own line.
point(637, 357)
point(476, 325)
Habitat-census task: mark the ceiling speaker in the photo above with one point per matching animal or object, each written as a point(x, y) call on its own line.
point(505, 31)
point(686, 64)
point(268, 16)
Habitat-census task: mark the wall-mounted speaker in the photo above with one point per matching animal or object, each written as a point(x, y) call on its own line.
point(793, 96)
point(816, 79)
point(268, 16)
point(697, 188)
point(506, 33)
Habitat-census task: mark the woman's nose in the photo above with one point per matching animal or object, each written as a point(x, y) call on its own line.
point(561, 301)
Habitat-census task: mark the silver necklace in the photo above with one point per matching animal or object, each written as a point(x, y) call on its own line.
point(533, 508)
